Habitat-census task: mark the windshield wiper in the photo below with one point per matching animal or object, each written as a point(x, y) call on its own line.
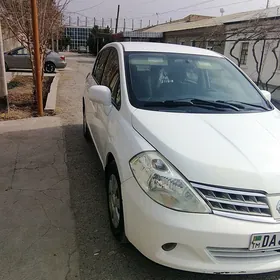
point(168, 103)
point(238, 103)
point(216, 104)
point(178, 103)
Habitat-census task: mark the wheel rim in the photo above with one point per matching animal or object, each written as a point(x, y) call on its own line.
point(49, 67)
point(114, 200)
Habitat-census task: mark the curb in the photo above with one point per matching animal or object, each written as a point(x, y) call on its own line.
point(51, 99)
point(9, 76)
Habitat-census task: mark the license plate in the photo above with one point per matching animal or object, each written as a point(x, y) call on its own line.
point(265, 241)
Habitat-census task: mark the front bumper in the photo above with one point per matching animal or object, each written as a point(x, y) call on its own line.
point(206, 243)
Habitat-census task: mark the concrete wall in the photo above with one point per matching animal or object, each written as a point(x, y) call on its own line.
point(269, 61)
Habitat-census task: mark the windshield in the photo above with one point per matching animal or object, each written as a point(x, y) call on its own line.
point(158, 80)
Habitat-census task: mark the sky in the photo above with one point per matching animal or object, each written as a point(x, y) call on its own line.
point(135, 12)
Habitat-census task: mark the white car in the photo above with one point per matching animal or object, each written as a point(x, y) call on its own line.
point(191, 152)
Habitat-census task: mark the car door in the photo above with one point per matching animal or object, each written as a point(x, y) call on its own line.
point(111, 79)
point(92, 108)
point(20, 59)
point(11, 58)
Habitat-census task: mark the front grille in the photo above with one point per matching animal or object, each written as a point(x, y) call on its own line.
point(234, 201)
point(239, 255)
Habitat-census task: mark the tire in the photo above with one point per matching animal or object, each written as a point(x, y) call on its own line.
point(115, 203)
point(49, 67)
point(85, 126)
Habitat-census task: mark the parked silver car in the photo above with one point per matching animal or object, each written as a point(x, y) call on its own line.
point(82, 49)
point(19, 58)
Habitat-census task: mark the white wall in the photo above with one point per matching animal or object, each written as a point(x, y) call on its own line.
point(9, 41)
point(250, 67)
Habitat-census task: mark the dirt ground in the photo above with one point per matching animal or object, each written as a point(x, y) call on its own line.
point(21, 98)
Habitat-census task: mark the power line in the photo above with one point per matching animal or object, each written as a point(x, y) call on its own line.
point(175, 10)
point(191, 6)
point(88, 8)
point(178, 9)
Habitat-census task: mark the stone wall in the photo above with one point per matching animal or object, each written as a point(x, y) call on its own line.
point(208, 37)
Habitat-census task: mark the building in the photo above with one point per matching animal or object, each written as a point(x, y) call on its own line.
point(139, 36)
point(253, 42)
point(9, 40)
point(250, 39)
point(196, 30)
point(79, 36)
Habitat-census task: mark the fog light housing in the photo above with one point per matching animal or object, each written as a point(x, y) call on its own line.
point(169, 246)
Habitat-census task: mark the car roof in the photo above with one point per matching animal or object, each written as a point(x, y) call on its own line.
point(164, 47)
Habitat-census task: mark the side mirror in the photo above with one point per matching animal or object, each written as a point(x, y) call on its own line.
point(266, 94)
point(100, 94)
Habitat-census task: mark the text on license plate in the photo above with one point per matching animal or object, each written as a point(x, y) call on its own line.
point(265, 241)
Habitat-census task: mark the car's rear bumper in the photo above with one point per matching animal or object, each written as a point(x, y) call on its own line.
point(61, 65)
point(206, 243)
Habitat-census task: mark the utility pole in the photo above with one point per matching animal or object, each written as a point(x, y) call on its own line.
point(37, 55)
point(78, 21)
point(149, 22)
point(132, 24)
point(267, 4)
point(102, 23)
point(141, 23)
point(94, 22)
point(111, 23)
point(4, 104)
point(69, 21)
point(117, 20)
point(86, 21)
point(124, 25)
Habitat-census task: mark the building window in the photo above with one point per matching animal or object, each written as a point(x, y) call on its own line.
point(244, 53)
point(210, 45)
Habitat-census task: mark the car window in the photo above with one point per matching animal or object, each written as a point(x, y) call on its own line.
point(111, 77)
point(111, 68)
point(100, 64)
point(116, 90)
point(22, 51)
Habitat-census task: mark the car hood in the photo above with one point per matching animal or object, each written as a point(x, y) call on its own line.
point(230, 150)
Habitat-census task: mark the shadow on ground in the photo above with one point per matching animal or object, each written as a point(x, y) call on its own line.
point(100, 256)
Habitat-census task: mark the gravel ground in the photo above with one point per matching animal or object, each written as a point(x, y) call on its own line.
point(101, 258)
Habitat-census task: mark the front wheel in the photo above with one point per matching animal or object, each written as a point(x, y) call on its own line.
point(115, 204)
point(49, 67)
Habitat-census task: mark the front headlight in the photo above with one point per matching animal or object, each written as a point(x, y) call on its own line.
point(164, 184)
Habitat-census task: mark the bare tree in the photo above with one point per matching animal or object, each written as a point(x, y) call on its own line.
point(16, 16)
point(276, 66)
point(264, 33)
